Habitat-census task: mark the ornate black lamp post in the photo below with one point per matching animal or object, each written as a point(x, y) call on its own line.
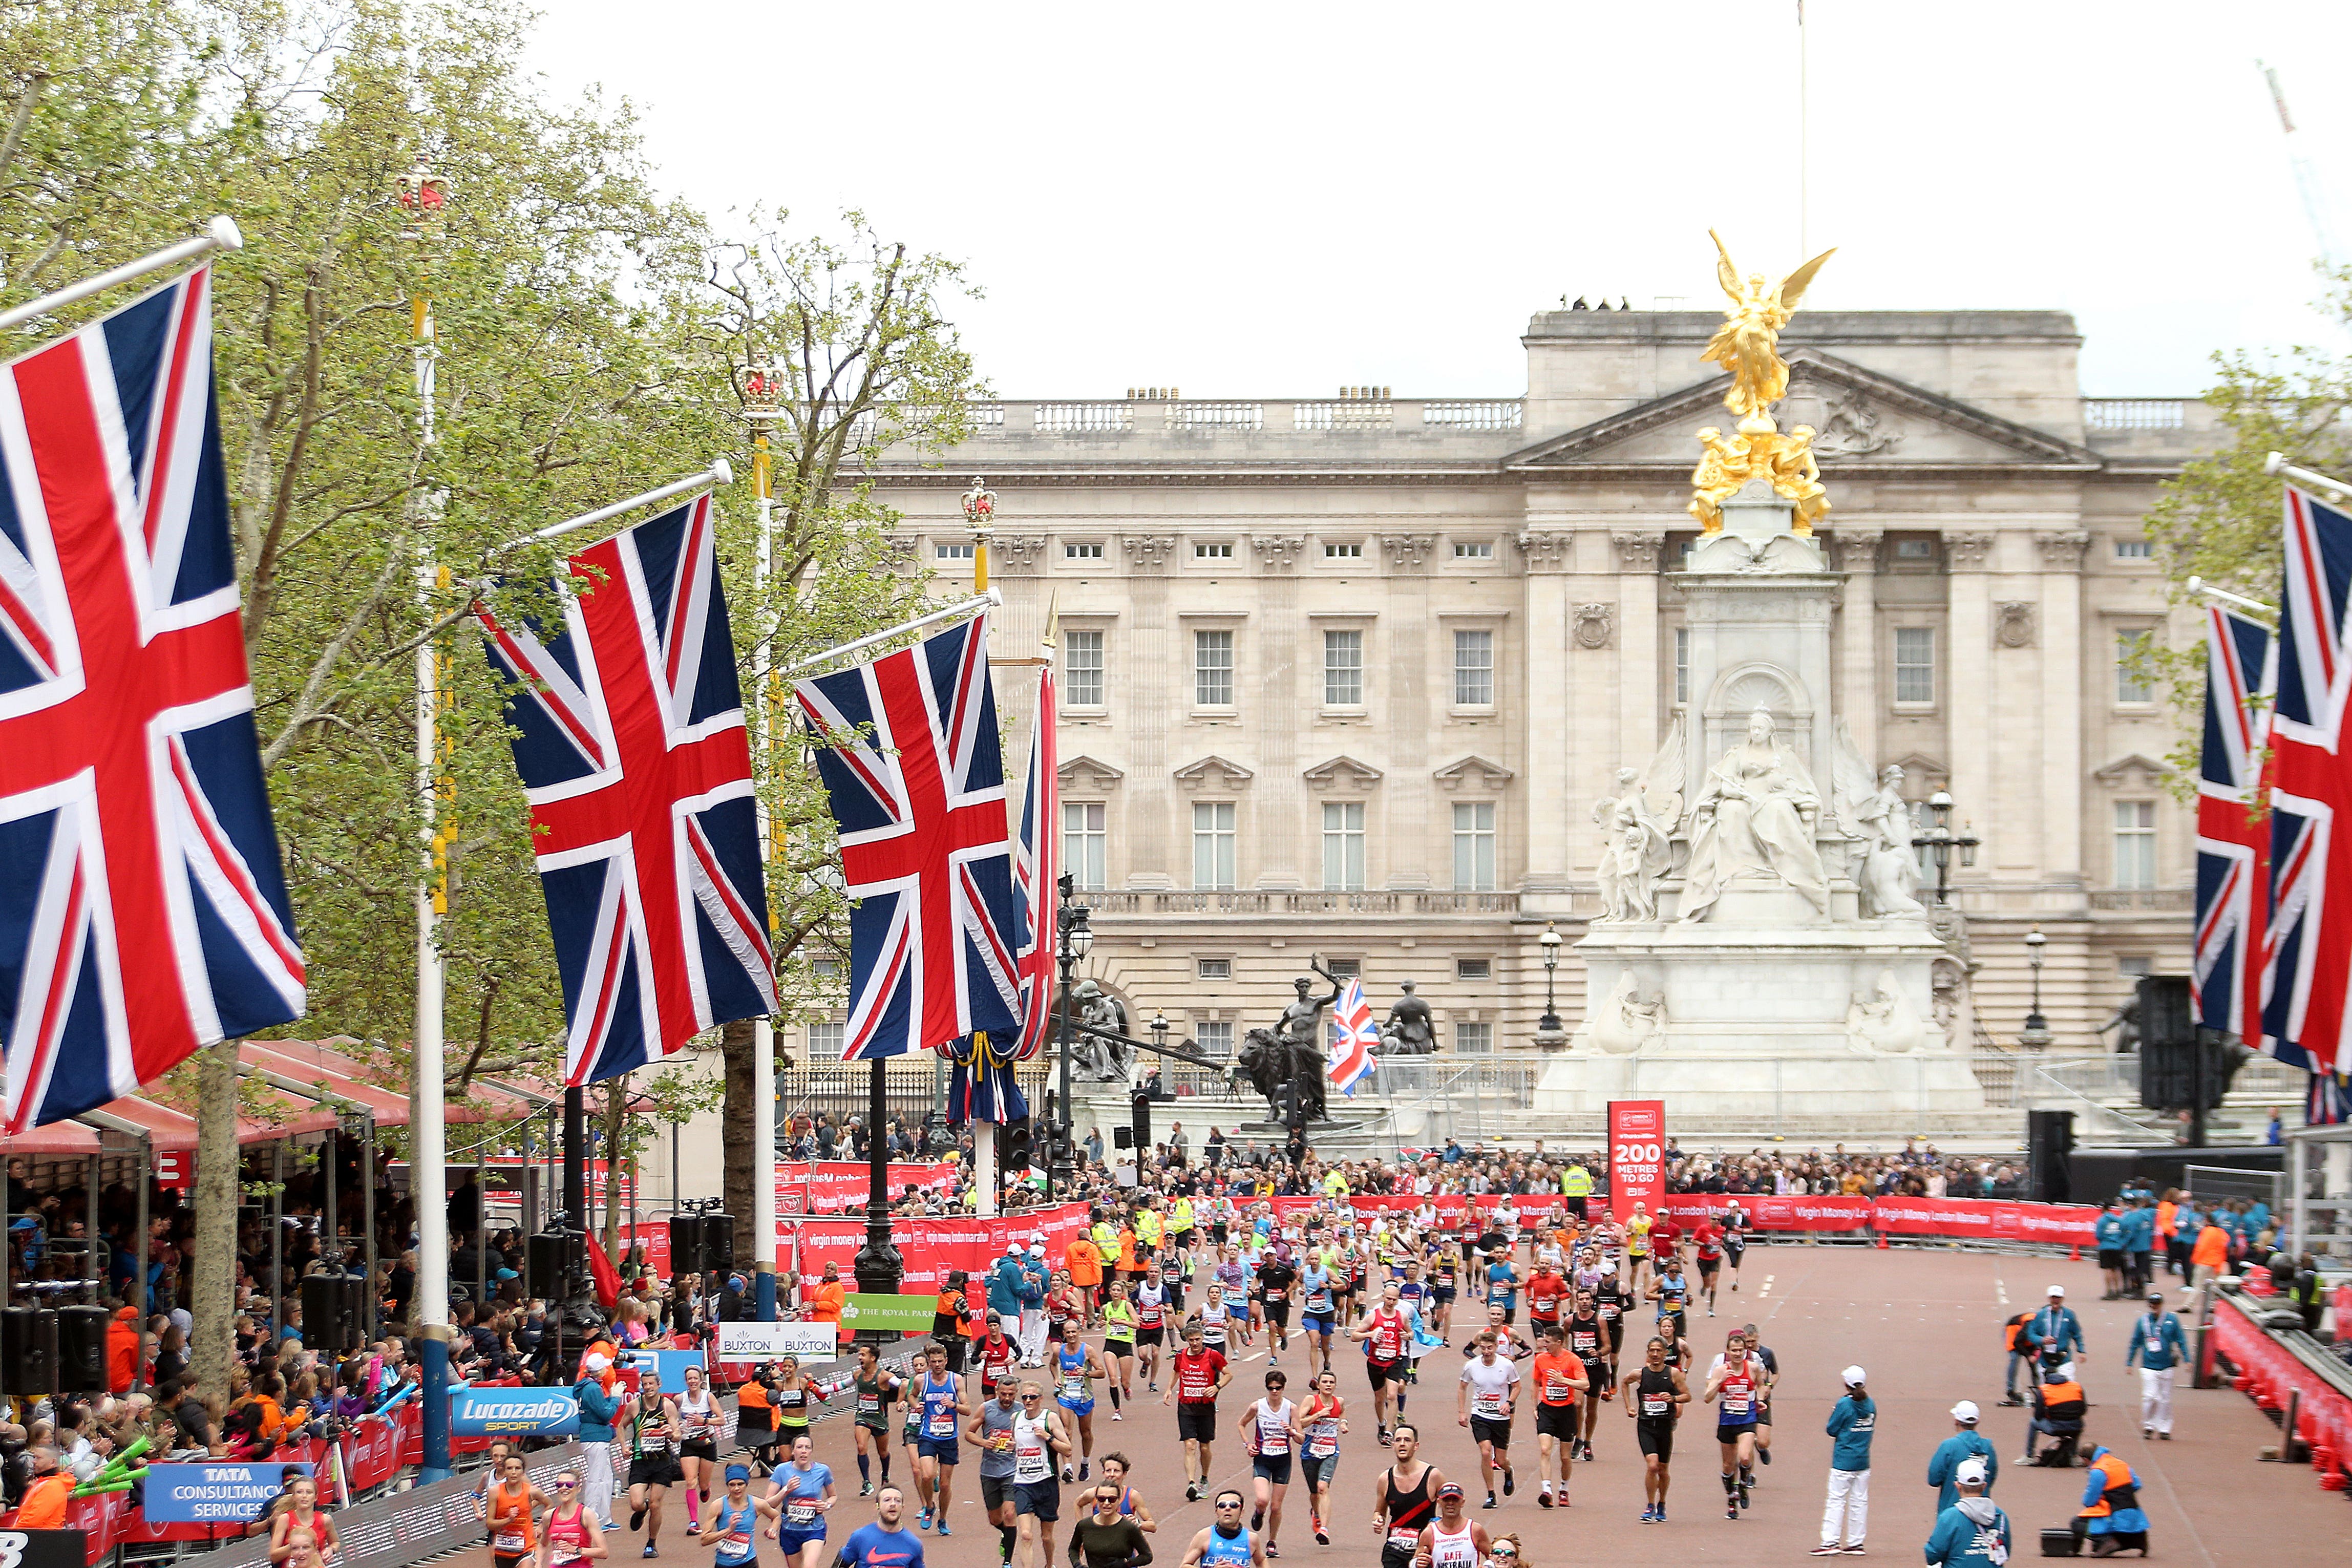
point(1941, 841)
point(2035, 1036)
point(1550, 1031)
point(878, 1265)
point(1074, 939)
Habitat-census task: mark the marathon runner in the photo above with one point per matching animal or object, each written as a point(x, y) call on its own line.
point(1671, 1291)
point(697, 1445)
point(1609, 1302)
point(1271, 1430)
point(1386, 1334)
point(1115, 1473)
point(1104, 1537)
point(1483, 1400)
point(510, 1502)
point(1404, 1499)
point(804, 1490)
point(1654, 1394)
point(1318, 1311)
point(1445, 1282)
point(1038, 1435)
point(1737, 1377)
point(1637, 1244)
point(1452, 1540)
point(1277, 1278)
point(875, 1389)
point(1678, 1350)
point(1560, 1380)
point(1079, 1368)
point(991, 1429)
point(732, 1523)
point(574, 1533)
point(1503, 1284)
point(1324, 1422)
point(1735, 1240)
point(885, 1542)
point(941, 1404)
point(1226, 1544)
point(1546, 1289)
point(1199, 1376)
point(1587, 1342)
point(1707, 1244)
point(1152, 1308)
point(652, 1461)
point(1119, 1320)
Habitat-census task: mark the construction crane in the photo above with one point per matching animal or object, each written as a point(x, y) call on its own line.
point(2306, 179)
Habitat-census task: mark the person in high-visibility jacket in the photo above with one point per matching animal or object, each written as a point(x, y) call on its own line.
point(1576, 1186)
point(2058, 1408)
point(2111, 1515)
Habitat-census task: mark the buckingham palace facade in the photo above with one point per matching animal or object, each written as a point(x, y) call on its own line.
point(1347, 676)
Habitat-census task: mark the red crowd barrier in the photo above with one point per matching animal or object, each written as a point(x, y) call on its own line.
point(2268, 1373)
point(1966, 1219)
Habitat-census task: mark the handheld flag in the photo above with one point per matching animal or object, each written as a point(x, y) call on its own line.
point(629, 737)
point(916, 774)
point(142, 908)
point(2233, 860)
point(1354, 1037)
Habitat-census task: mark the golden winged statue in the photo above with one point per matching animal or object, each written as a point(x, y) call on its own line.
point(1748, 344)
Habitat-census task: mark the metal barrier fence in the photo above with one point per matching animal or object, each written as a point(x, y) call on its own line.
point(2211, 1184)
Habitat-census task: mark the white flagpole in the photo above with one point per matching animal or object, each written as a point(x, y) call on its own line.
point(221, 234)
point(2276, 463)
point(2198, 585)
point(977, 604)
point(720, 473)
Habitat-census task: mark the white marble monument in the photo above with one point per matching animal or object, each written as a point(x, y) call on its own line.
point(1760, 945)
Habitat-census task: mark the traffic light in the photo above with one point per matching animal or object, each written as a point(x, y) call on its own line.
point(1015, 1145)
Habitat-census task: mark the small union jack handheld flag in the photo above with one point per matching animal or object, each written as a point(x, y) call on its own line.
point(142, 908)
point(629, 738)
point(911, 760)
point(2234, 844)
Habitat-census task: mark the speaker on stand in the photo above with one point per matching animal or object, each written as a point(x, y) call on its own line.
point(28, 1352)
point(2049, 1138)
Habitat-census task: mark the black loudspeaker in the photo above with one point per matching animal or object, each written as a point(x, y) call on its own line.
point(719, 1243)
point(334, 1312)
point(82, 1350)
point(2049, 1138)
point(28, 1352)
point(1141, 1106)
point(686, 1238)
point(1122, 1137)
point(554, 1254)
point(2167, 1015)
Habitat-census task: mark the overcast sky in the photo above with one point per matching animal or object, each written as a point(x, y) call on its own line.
point(1278, 199)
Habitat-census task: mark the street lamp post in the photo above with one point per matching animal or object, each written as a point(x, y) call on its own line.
point(1549, 1032)
point(2035, 1036)
point(1073, 940)
point(1941, 841)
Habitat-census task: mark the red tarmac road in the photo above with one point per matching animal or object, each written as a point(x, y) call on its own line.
point(1924, 1323)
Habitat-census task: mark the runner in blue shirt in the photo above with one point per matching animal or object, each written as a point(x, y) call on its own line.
point(803, 1492)
point(884, 1544)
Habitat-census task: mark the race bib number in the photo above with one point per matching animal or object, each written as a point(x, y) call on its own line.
point(1273, 1442)
point(870, 1404)
point(1557, 1389)
point(1735, 1404)
point(1404, 1539)
point(1322, 1442)
point(942, 1425)
point(799, 1512)
point(1656, 1404)
point(508, 1540)
point(1074, 1387)
point(1489, 1405)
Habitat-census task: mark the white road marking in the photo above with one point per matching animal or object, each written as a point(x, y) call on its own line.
point(2001, 1288)
point(1766, 1287)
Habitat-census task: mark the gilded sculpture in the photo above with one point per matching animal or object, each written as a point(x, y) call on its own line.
point(1748, 345)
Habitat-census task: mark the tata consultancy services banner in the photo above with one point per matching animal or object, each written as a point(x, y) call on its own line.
point(213, 1494)
point(1637, 1156)
point(514, 1412)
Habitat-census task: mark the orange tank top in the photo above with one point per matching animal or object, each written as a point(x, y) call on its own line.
point(511, 1518)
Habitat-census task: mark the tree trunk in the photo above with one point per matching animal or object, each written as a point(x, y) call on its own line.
point(746, 1097)
point(212, 1342)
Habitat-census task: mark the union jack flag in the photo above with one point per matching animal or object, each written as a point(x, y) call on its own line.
point(1354, 1037)
point(2234, 844)
point(1038, 864)
point(911, 760)
point(2309, 971)
point(142, 908)
point(629, 738)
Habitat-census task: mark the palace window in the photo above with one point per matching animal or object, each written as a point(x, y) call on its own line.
point(1474, 550)
point(2135, 843)
point(1213, 552)
point(825, 1041)
point(1082, 668)
point(1474, 669)
point(1216, 969)
point(2133, 683)
point(1085, 844)
point(1343, 669)
point(1474, 968)
point(1345, 968)
point(1682, 664)
point(1215, 1039)
point(1343, 553)
point(1082, 553)
point(1915, 664)
point(1212, 669)
point(2134, 550)
point(952, 552)
point(1473, 846)
point(1343, 846)
point(1213, 846)
point(1474, 1038)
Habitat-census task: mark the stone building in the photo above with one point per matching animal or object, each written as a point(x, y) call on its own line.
point(1347, 676)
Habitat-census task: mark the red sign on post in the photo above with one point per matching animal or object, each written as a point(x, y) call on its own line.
point(1637, 1156)
point(174, 1168)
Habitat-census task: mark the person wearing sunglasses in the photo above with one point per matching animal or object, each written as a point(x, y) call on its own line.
point(1227, 1543)
point(572, 1533)
point(1452, 1540)
point(1505, 1552)
point(1104, 1537)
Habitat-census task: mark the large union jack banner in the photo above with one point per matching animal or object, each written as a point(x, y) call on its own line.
point(629, 738)
point(910, 757)
point(1354, 1037)
point(2234, 844)
point(2305, 1010)
point(142, 908)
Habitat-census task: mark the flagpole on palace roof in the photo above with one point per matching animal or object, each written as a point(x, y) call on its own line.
point(221, 234)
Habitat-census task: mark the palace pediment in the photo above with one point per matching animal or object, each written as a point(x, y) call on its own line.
point(1860, 417)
